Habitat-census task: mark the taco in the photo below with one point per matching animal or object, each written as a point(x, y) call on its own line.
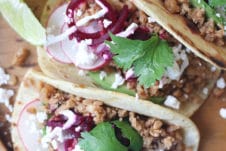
point(52, 114)
point(200, 25)
point(171, 75)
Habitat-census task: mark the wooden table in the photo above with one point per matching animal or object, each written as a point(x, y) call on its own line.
point(212, 127)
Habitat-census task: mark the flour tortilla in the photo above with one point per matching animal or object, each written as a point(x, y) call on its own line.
point(177, 26)
point(28, 93)
point(70, 73)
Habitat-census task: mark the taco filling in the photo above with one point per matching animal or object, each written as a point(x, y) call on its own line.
point(122, 49)
point(70, 123)
point(207, 17)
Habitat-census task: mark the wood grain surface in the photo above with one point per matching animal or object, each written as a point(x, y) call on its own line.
point(212, 127)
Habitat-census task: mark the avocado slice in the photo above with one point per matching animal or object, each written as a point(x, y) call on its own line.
point(107, 82)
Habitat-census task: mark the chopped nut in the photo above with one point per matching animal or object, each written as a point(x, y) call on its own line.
point(20, 57)
point(32, 110)
point(157, 125)
point(13, 80)
point(168, 142)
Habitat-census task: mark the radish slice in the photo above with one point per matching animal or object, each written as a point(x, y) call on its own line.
point(27, 130)
point(82, 55)
point(55, 22)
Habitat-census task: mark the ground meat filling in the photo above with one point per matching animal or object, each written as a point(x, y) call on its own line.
point(157, 134)
point(208, 29)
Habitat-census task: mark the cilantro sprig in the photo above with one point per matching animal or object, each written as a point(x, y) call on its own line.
point(149, 58)
point(103, 138)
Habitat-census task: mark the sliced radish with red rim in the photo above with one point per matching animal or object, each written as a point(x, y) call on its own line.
point(83, 55)
point(26, 126)
point(55, 22)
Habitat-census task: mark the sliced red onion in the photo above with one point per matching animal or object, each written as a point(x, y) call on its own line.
point(106, 12)
point(70, 118)
point(54, 25)
point(118, 26)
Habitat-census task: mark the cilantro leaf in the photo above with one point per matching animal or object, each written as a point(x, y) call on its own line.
point(135, 139)
point(149, 58)
point(215, 3)
point(103, 138)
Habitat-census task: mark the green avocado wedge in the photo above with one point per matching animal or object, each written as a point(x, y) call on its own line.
point(106, 83)
point(23, 21)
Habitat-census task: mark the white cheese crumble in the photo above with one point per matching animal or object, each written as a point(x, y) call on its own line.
point(205, 91)
point(77, 148)
point(221, 83)
point(106, 23)
point(70, 118)
point(137, 97)
point(172, 102)
point(4, 78)
point(218, 15)
point(222, 113)
point(213, 69)
point(79, 13)
point(129, 30)
point(5, 96)
point(151, 20)
point(119, 80)
point(52, 136)
point(41, 117)
point(8, 118)
point(102, 75)
point(84, 56)
point(81, 72)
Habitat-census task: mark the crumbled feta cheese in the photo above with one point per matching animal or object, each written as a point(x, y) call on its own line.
point(81, 73)
point(5, 96)
point(172, 102)
point(70, 118)
point(223, 113)
point(78, 128)
point(8, 118)
point(221, 83)
point(137, 97)
point(4, 78)
point(79, 13)
point(218, 15)
point(55, 134)
point(129, 30)
point(102, 75)
point(119, 80)
point(84, 56)
point(41, 117)
point(106, 23)
point(77, 148)
point(205, 91)
point(88, 41)
point(54, 144)
point(213, 69)
point(151, 20)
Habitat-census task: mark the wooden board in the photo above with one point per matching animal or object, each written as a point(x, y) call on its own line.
point(212, 126)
